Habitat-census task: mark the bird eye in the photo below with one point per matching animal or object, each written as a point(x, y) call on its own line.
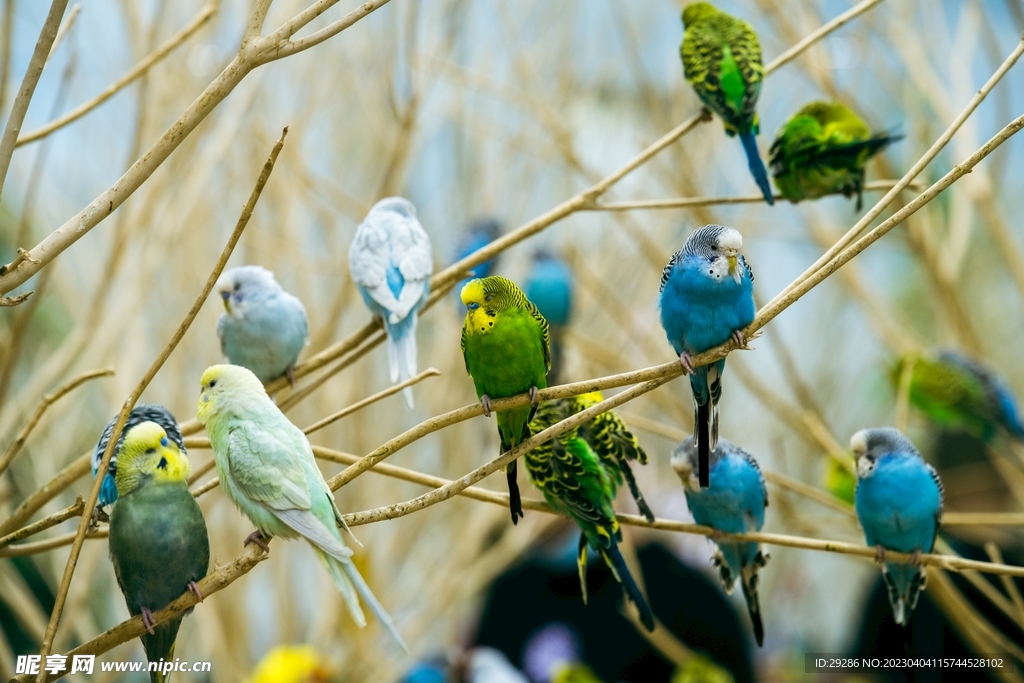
point(150, 451)
point(238, 286)
point(213, 383)
point(488, 297)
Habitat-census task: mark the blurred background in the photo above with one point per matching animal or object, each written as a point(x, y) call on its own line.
point(486, 110)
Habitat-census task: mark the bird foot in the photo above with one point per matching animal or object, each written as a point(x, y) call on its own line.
point(259, 539)
point(684, 358)
point(915, 558)
point(290, 374)
point(879, 554)
point(378, 320)
point(705, 114)
point(147, 620)
point(485, 401)
point(98, 515)
point(193, 588)
point(740, 339)
point(534, 395)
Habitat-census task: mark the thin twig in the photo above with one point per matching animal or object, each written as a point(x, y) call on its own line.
point(47, 492)
point(44, 524)
point(122, 417)
point(46, 402)
point(320, 424)
point(63, 30)
point(1009, 586)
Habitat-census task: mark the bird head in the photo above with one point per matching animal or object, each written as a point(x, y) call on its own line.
point(238, 286)
point(149, 454)
point(720, 246)
point(485, 298)
point(684, 462)
point(868, 445)
point(399, 205)
point(224, 385)
point(696, 11)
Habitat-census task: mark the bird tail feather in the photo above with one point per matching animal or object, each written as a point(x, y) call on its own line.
point(351, 584)
point(905, 583)
point(402, 354)
point(756, 165)
point(581, 565)
point(703, 427)
point(613, 558)
point(749, 582)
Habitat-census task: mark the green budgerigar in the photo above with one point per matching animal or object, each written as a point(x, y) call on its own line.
point(158, 541)
point(578, 485)
point(507, 351)
point(722, 61)
point(822, 150)
point(610, 439)
point(266, 467)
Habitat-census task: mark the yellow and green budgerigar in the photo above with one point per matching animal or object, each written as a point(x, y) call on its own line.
point(578, 485)
point(292, 664)
point(722, 61)
point(266, 467)
point(507, 351)
point(609, 438)
point(823, 149)
point(158, 541)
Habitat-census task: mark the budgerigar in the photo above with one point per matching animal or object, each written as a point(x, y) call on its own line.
point(734, 503)
point(144, 412)
point(158, 541)
point(266, 467)
point(292, 664)
point(707, 297)
point(955, 391)
point(609, 438)
point(576, 484)
point(391, 262)
point(899, 504)
point(263, 327)
point(722, 61)
point(475, 237)
point(822, 150)
point(507, 352)
point(549, 286)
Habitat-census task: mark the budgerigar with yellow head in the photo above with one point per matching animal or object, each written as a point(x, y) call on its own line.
point(266, 467)
point(507, 351)
point(158, 541)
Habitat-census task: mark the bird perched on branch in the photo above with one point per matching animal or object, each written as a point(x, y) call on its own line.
point(576, 484)
point(266, 467)
point(822, 150)
point(722, 61)
point(608, 437)
point(549, 286)
point(507, 352)
point(391, 262)
point(145, 412)
point(158, 541)
point(734, 503)
point(899, 504)
point(707, 298)
point(263, 327)
point(955, 391)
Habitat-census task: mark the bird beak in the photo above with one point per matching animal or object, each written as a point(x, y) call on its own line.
point(732, 263)
point(226, 296)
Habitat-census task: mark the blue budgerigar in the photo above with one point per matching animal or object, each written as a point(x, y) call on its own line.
point(707, 297)
point(734, 503)
point(263, 328)
point(391, 263)
point(899, 504)
point(549, 286)
point(144, 412)
point(475, 237)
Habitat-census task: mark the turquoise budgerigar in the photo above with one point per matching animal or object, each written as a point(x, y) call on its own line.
point(957, 392)
point(549, 285)
point(577, 484)
point(144, 412)
point(722, 61)
point(707, 297)
point(158, 541)
point(734, 503)
point(823, 149)
point(391, 262)
point(263, 327)
point(266, 467)
point(507, 351)
point(899, 504)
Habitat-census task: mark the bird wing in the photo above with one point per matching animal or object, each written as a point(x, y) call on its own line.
point(753, 463)
point(746, 266)
point(667, 270)
point(942, 499)
point(545, 333)
point(266, 470)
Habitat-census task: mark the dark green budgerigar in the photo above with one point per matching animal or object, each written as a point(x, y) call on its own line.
point(158, 541)
point(576, 484)
point(507, 351)
point(610, 439)
point(822, 150)
point(722, 61)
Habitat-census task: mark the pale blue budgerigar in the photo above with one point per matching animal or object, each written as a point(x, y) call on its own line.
point(899, 502)
point(391, 262)
point(707, 297)
point(734, 503)
point(266, 467)
point(144, 412)
point(263, 327)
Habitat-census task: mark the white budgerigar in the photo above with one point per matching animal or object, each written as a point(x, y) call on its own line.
point(391, 263)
